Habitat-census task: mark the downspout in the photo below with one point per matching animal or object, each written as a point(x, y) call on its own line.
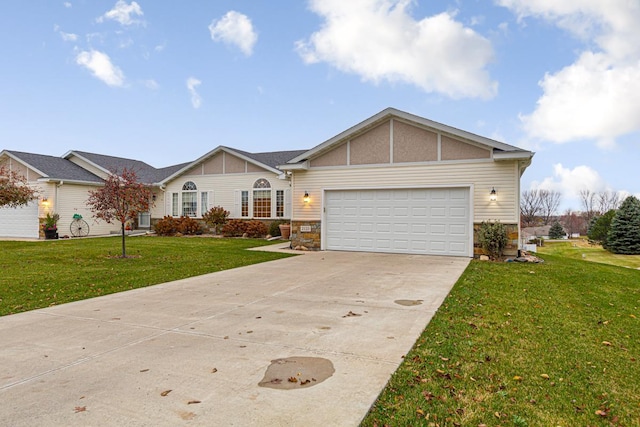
point(55, 203)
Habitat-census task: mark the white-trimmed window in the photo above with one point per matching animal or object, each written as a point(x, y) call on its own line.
point(174, 204)
point(262, 199)
point(189, 199)
point(204, 202)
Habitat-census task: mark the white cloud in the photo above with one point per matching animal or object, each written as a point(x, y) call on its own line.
point(569, 182)
point(379, 40)
point(124, 13)
point(68, 37)
point(67, 4)
point(101, 67)
point(192, 84)
point(592, 98)
point(236, 29)
point(151, 84)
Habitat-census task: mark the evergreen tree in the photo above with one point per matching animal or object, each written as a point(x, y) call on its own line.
point(556, 231)
point(624, 235)
point(599, 228)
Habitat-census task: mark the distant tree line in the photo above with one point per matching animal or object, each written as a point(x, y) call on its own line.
point(605, 218)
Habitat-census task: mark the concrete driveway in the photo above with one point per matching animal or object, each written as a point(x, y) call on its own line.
point(194, 351)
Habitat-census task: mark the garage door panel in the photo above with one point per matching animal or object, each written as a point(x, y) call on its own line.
point(458, 212)
point(422, 221)
point(458, 230)
point(21, 222)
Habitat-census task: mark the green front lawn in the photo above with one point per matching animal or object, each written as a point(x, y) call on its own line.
point(40, 274)
point(581, 249)
point(553, 344)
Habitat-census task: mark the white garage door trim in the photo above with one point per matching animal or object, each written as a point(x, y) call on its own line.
point(432, 222)
point(20, 222)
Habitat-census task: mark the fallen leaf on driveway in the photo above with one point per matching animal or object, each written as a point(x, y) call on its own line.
point(352, 314)
point(214, 370)
point(79, 409)
point(192, 402)
point(164, 393)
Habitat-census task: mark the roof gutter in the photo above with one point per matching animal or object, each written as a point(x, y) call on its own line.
point(295, 166)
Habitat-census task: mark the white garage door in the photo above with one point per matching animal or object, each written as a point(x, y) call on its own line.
point(19, 222)
point(416, 221)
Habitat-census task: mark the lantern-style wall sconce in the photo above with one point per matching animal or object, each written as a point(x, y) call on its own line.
point(493, 196)
point(306, 197)
point(45, 201)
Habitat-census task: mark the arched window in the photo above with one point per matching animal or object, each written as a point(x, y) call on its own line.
point(189, 199)
point(262, 198)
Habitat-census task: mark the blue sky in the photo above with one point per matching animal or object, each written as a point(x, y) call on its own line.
point(166, 82)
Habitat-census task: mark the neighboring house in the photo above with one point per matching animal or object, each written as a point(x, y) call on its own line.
point(394, 183)
point(401, 183)
point(248, 185)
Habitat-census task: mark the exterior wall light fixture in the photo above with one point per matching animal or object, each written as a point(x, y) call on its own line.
point(306, 197)
point(45, 201)
point(493, 196)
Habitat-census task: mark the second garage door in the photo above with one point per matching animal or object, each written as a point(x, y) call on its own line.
point(433, 221)
point(19, 222)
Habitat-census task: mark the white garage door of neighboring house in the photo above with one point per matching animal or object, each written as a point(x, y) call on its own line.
point(433, 221)
point(20, 222)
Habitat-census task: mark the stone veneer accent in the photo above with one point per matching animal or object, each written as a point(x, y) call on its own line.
point(512, 240)
point(310, 240)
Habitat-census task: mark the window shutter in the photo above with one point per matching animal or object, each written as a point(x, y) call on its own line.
point(167, 204)
point(236, 212)
point(287, 203)
point(211, 201)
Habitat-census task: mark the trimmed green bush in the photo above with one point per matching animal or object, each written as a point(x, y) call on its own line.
point(493, 238)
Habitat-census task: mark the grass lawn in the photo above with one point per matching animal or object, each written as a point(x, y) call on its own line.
point(40, 274)
point(553, 344)
point(581, 249)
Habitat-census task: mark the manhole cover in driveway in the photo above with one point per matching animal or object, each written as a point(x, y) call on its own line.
point(408, 302)
point(297, 372)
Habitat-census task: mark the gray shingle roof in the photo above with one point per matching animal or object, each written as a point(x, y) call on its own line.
point(56, 168)
point(145, 172)
point(273, 158)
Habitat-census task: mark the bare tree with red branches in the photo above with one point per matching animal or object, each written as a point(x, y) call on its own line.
point(14, 190)
point(120, 200)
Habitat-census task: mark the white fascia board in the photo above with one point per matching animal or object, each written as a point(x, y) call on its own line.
point(293, 167)
point(513, 155)
point(70, 181)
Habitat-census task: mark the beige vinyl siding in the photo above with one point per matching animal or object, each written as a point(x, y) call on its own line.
point(223, 188)
point(158, 209)
point(72, 199)
point(480, 176)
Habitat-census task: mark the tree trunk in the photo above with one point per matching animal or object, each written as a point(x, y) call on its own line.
point(124, 252)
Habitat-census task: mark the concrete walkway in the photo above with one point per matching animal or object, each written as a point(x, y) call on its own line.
point(193, 351)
